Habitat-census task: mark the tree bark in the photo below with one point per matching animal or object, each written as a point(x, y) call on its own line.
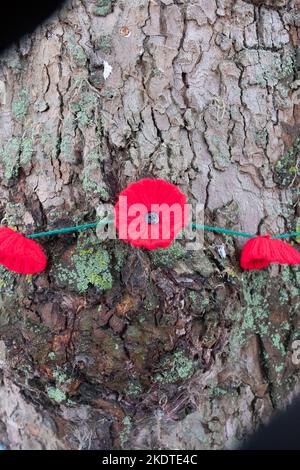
point(113, 346)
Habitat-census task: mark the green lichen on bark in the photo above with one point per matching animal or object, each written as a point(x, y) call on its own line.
point(9, 155)
point(254, 315)
point(103, 7)
point(77, 52)
point(288, 66)
point(287, 169)
point(168, 256)
point(84, 109)
point(125, 433)
point(7, 281)
point(104, 42)
point(175, 367)
point(26, 151)
point(120, 253)
point(56, 394)
point(92, 181)
point(20, 105)
point(15, 153)
point(89, 265)
point(269, 312)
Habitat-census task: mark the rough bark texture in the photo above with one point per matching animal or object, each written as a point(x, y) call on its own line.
point(117, 347)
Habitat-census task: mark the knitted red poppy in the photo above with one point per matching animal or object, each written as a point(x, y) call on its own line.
point(20, 254)
point(150, 213)
point(260, 251)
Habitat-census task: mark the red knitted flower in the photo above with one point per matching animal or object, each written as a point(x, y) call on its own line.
point(260, 251)
point(20, 254)
point(150, 213)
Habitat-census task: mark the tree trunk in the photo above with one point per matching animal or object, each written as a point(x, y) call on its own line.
point(114, 346)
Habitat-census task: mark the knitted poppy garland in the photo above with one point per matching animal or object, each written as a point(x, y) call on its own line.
point(149, 213)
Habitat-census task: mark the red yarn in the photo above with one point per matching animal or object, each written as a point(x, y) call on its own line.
point(260, 251)
point(144, 198)
point(20, 254)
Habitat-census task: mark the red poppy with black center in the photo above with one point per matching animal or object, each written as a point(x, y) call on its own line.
point(150, 213)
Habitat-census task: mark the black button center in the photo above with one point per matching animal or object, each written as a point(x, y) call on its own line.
point(152, 218)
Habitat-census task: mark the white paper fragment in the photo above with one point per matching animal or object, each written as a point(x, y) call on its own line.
point(221, 250)
point(2, 93)
point(2, 353)
point(107, 69)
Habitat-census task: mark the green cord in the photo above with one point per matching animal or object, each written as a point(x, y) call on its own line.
point(287, 235)
point(223, 230)
point(68, 229)
point(203, 227)
point(242, 234)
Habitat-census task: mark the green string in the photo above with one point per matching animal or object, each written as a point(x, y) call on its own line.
point(241, 234)
point(223, 230)
point(203, 227)
point(68, 229)
point(287, 235)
